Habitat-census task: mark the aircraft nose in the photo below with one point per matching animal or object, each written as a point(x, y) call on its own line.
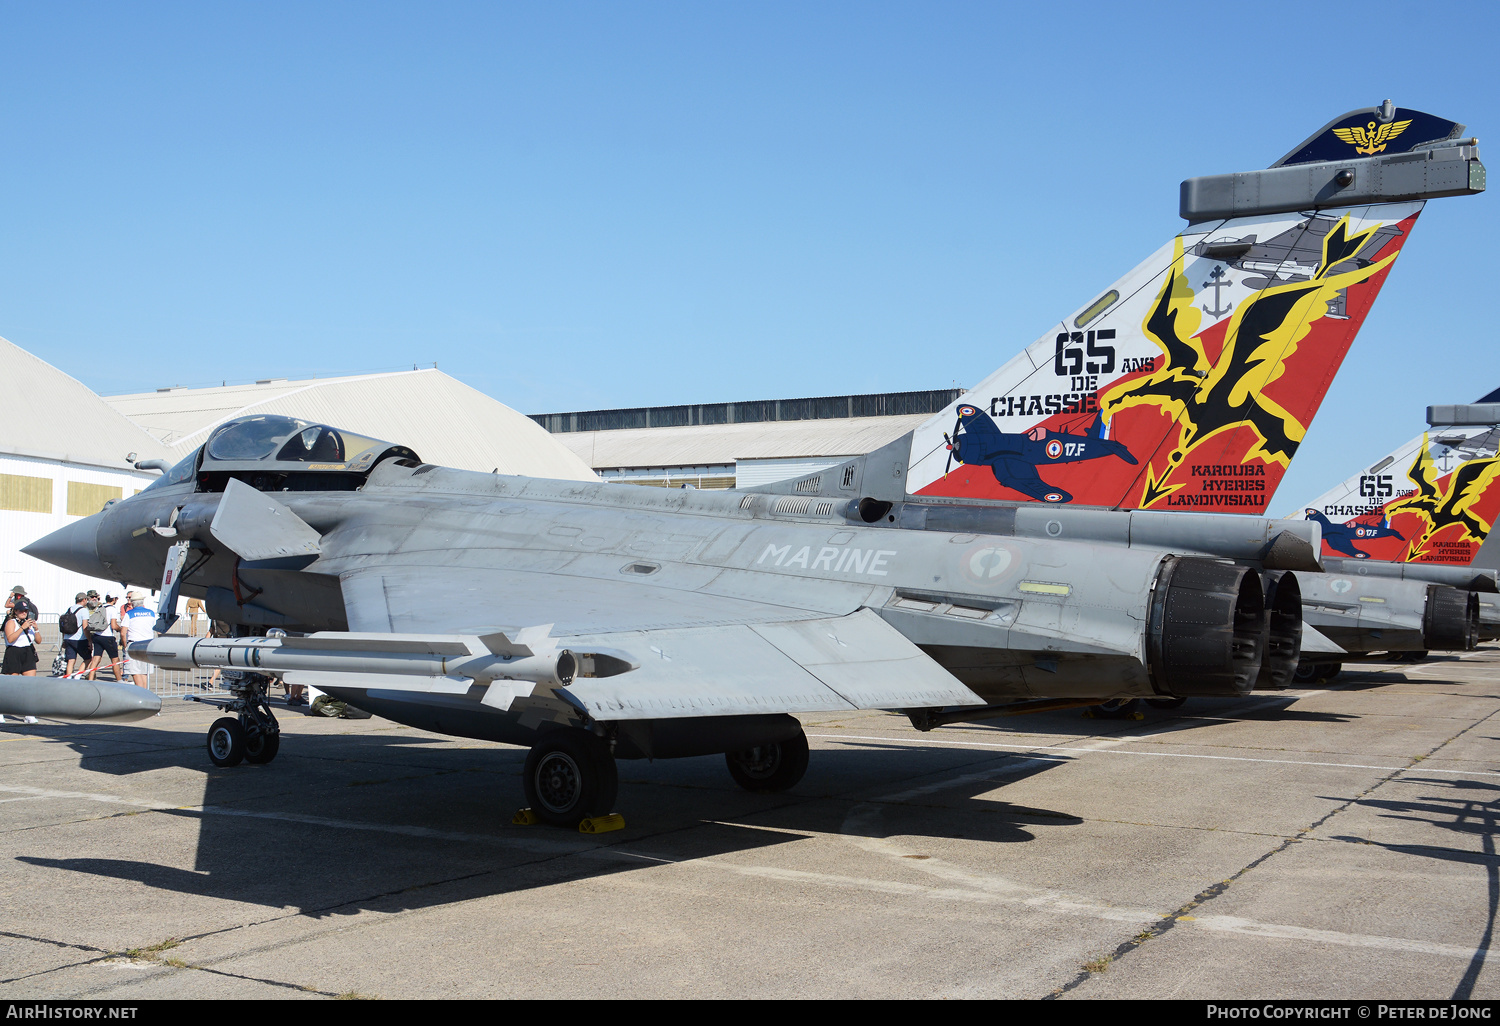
point(74, 547)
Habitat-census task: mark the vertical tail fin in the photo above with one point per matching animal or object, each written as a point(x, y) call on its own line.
point(1205, 364)
point(1434, 500)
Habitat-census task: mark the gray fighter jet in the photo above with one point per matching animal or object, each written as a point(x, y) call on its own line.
point(593, 622)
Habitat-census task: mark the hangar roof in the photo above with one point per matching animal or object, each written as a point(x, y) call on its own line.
point(49, 415)
point(707, 444)
point(710, 434)
point(442, 419)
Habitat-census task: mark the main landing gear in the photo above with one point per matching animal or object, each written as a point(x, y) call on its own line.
point(773, 767)
point(1115, 709)
point(252, 735)
point(1125, 708)
point(1315, 673)
point(570, 777)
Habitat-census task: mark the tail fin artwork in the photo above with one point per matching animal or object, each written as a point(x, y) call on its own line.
point(1190, 382)
point(1433, 500)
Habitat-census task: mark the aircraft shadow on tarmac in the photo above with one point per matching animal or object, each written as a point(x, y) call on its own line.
point(1196, 714)
point(342, 823)
point(1475, 813)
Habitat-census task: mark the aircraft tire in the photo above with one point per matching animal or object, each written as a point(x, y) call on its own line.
point(773, 767)
point(1115, 709)
point(569, 777)
point(1312, 673)
point(1165, 703)
point(226, 742)
point(263, 748)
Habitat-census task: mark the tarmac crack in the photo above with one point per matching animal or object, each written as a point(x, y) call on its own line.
point(102, 956)
point(1213, 891)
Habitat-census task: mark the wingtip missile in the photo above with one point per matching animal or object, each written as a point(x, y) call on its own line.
point(390, 655)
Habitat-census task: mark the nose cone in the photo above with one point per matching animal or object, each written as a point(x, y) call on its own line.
point(75, 547)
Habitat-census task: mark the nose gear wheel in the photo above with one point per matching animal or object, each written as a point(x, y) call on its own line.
point(252, 735)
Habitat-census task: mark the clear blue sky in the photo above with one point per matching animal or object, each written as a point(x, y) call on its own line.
point(584, 205)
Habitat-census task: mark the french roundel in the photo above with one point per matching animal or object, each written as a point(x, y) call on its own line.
point(967, 411)
point(1053, 497)
point(1054, 448)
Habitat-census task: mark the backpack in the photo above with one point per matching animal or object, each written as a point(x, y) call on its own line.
point(68, 622)
point(327, 705)
point(98, 621)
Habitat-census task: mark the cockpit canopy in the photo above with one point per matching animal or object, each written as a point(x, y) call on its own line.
point(275, 453)
point(272, 439)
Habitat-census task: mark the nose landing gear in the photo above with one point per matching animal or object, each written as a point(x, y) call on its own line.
point(253, 735)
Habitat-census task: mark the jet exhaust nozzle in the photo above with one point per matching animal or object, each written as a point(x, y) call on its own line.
point(1450, 621)
point(1283, 643)
point(1207, 628)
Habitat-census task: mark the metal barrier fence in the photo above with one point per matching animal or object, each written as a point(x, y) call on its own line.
point(166, 683)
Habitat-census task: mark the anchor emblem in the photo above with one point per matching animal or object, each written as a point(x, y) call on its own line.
point(1218, 282)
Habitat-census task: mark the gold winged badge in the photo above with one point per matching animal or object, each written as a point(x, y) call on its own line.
point(1372, 138)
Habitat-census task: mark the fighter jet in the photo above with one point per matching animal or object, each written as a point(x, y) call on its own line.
point(593, 622)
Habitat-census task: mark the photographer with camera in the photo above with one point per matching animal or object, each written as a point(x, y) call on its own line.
point(20, 642)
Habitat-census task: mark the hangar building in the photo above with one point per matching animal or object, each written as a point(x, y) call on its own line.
point(728, 445)
point(63, 455)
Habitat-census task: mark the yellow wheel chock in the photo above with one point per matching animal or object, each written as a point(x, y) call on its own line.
point(601, 824)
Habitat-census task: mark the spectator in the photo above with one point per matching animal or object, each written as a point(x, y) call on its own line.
point(194, 608)
point(216, 629)
point(17, 597)
point(104, 632)
point(76, 644)
point(139, 622)
point(20, 643)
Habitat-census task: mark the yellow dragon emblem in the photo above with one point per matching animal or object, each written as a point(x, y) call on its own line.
point(1208, 398)
point(1446, 509)
point(1372, 138)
